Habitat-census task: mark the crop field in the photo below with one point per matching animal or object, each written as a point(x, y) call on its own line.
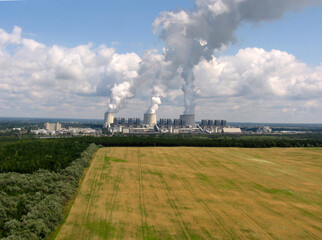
point(199, 193)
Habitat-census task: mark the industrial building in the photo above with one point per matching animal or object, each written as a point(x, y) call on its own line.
point(50, 127)
point(184, 124)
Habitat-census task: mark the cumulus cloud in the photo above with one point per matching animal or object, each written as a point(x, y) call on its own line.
point(256, 73)
point(8, 38)
point(261, 86)
point(35, 75)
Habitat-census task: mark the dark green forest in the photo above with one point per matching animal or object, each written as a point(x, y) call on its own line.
point(309, 140)
point(29, 156)
point(32, 204)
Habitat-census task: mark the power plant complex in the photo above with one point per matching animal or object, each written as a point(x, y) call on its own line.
point(150, 125)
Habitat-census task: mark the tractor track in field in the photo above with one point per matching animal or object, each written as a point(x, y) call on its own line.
point(92, 191)
point(251, 221)
point(111, 204)
point(174, 207)
point(244, 214)
point(172, 201)
point(197, 193)
point(143, 212)
point(208, 211)
point(187, 185)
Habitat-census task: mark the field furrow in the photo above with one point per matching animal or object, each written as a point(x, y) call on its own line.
point(199, 193)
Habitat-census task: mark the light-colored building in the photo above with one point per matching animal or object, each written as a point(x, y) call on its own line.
point(108, 119)
point(52, 126)
point(265, 129)
point(231, 130)
point(150, 119)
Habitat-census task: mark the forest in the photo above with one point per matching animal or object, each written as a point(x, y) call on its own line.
point(32, 199)
point(29, 156)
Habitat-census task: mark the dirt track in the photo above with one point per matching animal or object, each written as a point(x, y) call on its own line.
point(199, 193)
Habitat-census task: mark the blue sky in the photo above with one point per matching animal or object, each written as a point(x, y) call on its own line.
point(127, 25)
point(272, 73)
point(70, 23)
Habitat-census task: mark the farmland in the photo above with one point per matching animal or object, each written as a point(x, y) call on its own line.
point(199, 193)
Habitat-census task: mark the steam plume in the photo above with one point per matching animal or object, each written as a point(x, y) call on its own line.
point(193, 35)
point(122, 72)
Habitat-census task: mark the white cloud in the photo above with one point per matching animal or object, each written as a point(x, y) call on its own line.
point(55, 81)
point(271, 84)
point(10, 38)
point(256, 73)
point(36, 76)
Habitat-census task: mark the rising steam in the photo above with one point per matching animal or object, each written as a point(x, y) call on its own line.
point(192, 36)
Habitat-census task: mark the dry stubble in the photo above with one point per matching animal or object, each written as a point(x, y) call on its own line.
point(199, 193)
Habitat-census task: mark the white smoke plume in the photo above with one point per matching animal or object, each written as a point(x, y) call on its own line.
point(158, 74)
point(155, 102)
point(122, 73)
point(193, 35)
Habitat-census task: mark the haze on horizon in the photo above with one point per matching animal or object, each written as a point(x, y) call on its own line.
point(240, 60)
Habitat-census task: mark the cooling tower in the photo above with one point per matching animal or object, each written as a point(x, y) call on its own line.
point(188, 119)
point(108, 119)
point(150, 119)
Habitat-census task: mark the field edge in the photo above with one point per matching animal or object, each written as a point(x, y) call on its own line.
point(70, 203)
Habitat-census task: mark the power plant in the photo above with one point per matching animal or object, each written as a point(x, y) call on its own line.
point(184, 124)
point(108, 119)
point(188, 119)
point(150, 119)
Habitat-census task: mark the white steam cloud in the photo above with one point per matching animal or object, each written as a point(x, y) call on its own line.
point(122, 71)
point(161, 75)
point(193, 35)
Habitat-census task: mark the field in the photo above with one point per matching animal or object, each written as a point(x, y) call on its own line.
point(199, 193)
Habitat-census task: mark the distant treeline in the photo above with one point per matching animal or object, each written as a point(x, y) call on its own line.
point(200, 141)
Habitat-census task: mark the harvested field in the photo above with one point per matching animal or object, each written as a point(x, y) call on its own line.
point(199, 193)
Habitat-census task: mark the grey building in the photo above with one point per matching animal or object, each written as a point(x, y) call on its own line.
point(163, 122)
point(204, 122)
point(217, 122)
point(176, 122)
point(130, 121)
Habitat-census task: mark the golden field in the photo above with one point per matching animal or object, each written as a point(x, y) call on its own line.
point(199, 193)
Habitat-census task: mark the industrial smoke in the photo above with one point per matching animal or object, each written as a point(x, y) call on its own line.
point(155, 102)
point(192, 36)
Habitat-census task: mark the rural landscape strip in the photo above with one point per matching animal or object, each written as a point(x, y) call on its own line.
point(199, 193)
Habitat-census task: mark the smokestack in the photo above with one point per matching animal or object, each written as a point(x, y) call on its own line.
point(108, 119)
point(150, 119)
point(188, 119)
